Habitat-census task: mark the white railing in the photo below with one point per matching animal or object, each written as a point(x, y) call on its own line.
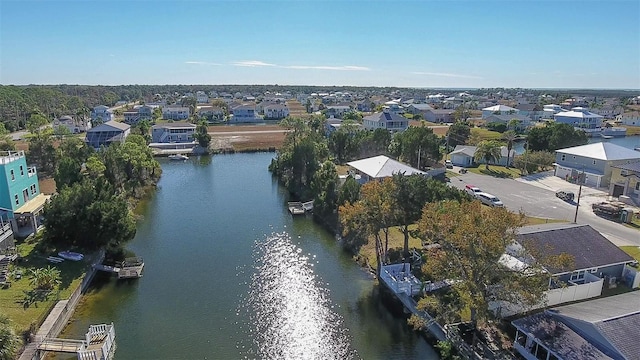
point(7, 157)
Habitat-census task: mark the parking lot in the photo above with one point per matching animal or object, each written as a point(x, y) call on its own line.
point(535, 196)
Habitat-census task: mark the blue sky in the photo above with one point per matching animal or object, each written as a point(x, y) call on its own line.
point(534, 44)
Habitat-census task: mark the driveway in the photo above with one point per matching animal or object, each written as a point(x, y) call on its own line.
point(535, 196)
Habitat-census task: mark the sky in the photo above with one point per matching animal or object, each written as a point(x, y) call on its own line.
point(442, 44)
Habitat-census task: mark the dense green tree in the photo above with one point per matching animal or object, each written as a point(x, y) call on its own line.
point(6, 142)
point(67, 172)
point(458, 134)
point(324, 187)
point(349, 191)
point(462, 114)
point(417, 145)
point(109, 98)
point(555, 136)
point(489, 151)
point(343, 143)
point(44, 278)
point(9, 341)
point(202, 135)
point(130, 166)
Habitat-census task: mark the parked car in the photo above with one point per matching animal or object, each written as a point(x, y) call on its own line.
point(448, 164)
point(565, 195)
point(489, 199)
point(472, 190)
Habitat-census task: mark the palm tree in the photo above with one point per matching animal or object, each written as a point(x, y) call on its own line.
point(488, 150)
point(510, 137)
point(44, 278)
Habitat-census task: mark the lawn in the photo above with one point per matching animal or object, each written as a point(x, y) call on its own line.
point(634, 251)
point(496, 171)
point(19, 302)
point(484, 134)
point(538, 221)
point(396, 243)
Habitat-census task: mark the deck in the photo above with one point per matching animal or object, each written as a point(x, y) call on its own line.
point(99, 343)
point(300, 208)
point(130, 268)
point(399, 280)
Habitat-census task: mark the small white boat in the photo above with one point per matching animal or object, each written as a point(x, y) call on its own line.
point(55, 259)
point(178, 157)
point(69, 255)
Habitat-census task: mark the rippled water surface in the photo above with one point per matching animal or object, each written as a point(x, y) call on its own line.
point(229, 274)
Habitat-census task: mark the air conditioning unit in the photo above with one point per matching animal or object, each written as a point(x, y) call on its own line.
point(624, 172)
point(613, 282)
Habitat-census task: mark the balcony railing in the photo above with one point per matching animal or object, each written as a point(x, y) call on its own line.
point(7, 157)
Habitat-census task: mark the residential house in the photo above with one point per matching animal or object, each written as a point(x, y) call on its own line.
point(21, 203)
point(379, 167)
point(532, 111)
point(176, 132)
point(394, 107)
point(522, 120)
point(101, 114)
point(464, 155)
point(593, 162)
point(605, 328)
point(276, 112)
point(550, 110)
point(581, 118)
point(211, 113)
point(440, 116)
point(337, 111)
point(629, 119)
point(107, 133)
point(364, 106)
point(75, 126)
point(176, 113)
point(498, 110)
point(385, 120)
point(333, 124)
point(140, 113)
point(245, 114)
point(202, 97)
point(625, 181)
point(418, 109)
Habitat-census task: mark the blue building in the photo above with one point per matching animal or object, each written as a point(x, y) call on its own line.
point(580, 118)
point(21, 202)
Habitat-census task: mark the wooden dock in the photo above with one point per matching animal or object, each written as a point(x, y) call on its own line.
point(399, 280)
point(300, 208)
point(130, 268)
point(99, 343)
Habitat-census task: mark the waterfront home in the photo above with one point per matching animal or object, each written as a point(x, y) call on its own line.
point(385, 120)
point(580, 118)
point(75, 126)
point(245, 114)
point(107, 133)
point(605, 328)
point(175, 113)
point(380, 167)
point(625, 181)
point(631, 118)
point(532, 111)
point(464, 155)
point(101, 114)
point(21, 203)
point(498, 110)
point(595, 263)
point(176, 132)
point(550, 110)
point(439, 115)
point(140, 113)
point(592, 162)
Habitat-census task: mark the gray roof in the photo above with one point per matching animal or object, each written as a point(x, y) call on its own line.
point(558, 337)
point(632, 166)
point(110, 126)
point(422, 106)
point(385, 116)
point(468, 150)
point(382, 166)
point(442, 111)
point(602, 151)
point(587, 246)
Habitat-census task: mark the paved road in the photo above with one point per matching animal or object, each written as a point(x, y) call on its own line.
point(537, 199)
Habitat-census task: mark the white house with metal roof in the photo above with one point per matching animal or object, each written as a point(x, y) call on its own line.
point(498, 110)
point(581, 118)
point(595, 161)
point(380, 167)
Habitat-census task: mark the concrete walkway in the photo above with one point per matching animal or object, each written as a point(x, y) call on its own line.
point(44, 330)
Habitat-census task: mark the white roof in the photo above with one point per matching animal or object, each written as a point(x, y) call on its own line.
point(578, 112)
point(382, 166)
point(499, 108)
point(602, 151)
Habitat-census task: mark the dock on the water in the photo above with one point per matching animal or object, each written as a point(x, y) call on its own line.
point(300, 208)
point(99, 343)
point(401, 282)
point(128, 269)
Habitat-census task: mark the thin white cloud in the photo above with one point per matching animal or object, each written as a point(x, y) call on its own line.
point(320, 67)
point(447, 75)
point(251, 63)
point(201, 63)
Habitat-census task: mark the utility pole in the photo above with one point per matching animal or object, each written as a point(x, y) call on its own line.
point(581, 179)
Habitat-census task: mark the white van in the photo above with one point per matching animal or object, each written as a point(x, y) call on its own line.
point(489, 199)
